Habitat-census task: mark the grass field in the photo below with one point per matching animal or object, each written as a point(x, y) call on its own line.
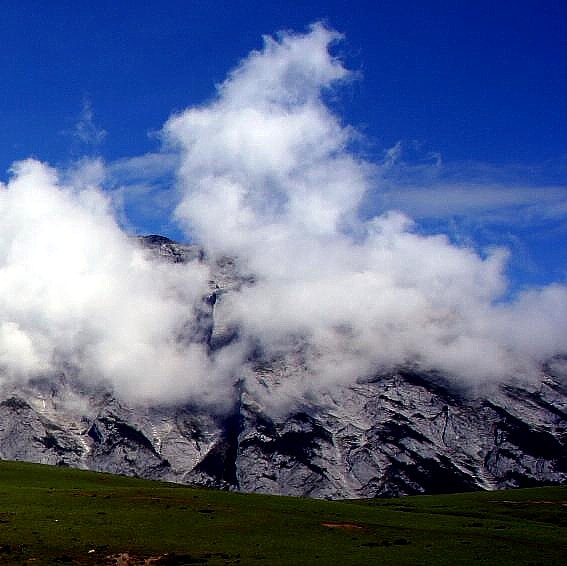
point(63, 516)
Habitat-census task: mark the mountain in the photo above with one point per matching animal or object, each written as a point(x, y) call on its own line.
point(395, 433)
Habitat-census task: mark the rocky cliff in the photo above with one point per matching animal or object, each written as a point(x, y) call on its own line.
point(398, 433)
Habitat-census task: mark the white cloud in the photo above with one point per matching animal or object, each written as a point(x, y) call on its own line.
point(75, 290)
point(268, 176)
point(265, 173)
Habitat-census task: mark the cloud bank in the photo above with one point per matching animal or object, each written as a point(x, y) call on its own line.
point(265, 173)
point(78, 295)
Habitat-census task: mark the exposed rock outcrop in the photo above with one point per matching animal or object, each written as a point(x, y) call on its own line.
point(398, 433)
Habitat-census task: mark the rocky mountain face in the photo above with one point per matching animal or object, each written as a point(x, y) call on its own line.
point(401, 433)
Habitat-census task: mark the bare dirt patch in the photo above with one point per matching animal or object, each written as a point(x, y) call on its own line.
point(347, 526)
point(126, 559)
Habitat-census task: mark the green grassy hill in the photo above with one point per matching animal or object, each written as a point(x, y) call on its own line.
point(63, 516)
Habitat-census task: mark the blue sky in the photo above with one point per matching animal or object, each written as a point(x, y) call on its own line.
point(462, 105)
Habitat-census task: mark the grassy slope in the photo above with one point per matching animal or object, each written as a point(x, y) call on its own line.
point(55, 516)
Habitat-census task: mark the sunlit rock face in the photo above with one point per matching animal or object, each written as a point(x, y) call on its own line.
point(394, 433)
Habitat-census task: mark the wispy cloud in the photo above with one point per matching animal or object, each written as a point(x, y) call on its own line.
point(147, 167)
point(484, 202)
point(143, 190)
point(424, 186)
point(86, 130)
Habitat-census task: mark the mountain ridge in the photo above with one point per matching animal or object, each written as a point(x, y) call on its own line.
point(396, 433)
